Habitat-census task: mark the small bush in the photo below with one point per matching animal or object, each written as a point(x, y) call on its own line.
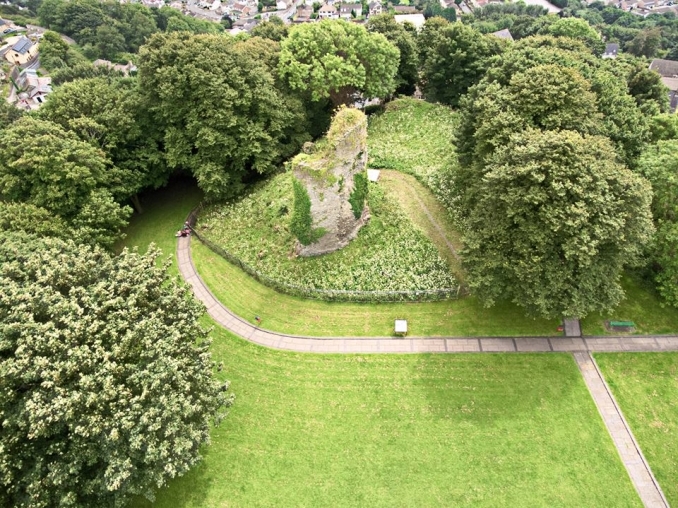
point(301, 224)
point(359, 194)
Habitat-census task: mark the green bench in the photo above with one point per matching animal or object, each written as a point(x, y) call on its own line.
point(622, 324)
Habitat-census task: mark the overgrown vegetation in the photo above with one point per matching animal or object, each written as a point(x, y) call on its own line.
point(358, 195)
point(416, 137)
point(388, 254)
point(301, 223)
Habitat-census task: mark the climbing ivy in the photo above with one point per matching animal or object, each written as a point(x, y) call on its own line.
point(358, 194)
point(301, 222)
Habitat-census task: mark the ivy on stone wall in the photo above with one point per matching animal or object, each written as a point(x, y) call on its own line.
point(302, 222)
point(358, 194)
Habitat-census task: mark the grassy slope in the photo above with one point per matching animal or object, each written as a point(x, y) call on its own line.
point(404, 430)
point(288, 314)
point(646, 387)
point(411, 195)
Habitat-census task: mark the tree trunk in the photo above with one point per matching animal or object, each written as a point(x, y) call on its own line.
point(137, 203)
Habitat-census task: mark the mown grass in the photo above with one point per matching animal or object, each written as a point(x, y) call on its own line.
point(646, 387)
point(288, 314)
point(642, 305)
point(403, 430)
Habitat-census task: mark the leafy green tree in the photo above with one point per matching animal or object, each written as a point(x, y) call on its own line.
point(32, 220)
point(109, 42)
point(107, 386)
point(44, 165)
point(111, 115)
point(55, 53)
point(9, 114)
point(274, 29)
point(457, 60)
point(647, 88)
point(397, 35)
point(575, 28)
point(659, 164)
point(217, 102)
point(556, 220)
point(646, 43)
point(339, 60)
point(428, 36)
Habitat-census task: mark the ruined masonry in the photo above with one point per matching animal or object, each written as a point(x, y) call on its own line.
point(333, 172)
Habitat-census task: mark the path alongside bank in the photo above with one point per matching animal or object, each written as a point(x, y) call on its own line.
point(244, 329)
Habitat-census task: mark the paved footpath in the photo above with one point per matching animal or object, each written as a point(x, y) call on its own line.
point(629, 451)
point(267, 338)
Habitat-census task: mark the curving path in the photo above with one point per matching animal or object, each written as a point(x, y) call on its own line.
point(630, 453)
point(246, 330)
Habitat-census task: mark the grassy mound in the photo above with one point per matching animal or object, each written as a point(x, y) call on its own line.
point(390, 253)
point(415, 137)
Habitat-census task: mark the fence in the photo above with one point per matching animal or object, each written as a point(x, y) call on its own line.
point(331, 295)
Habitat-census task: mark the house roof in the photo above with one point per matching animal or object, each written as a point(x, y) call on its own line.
point(667, 68)
point(347, 8)
point(611, 49)
point(328, 8)
point(374, 5)
point(23, 45)
point(404, 9)
point(503, 34)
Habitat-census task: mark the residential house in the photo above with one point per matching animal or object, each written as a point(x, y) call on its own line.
point(281, 5)
point(611, 51)
point(30, 89)
point(417, 20)
point(350, 11)
point(22, 52)
point(668, 70)
point(404, 9)
point(126, 69)
point(304, 13)
point(375, 8)
point(327, 11)
point(503, 34)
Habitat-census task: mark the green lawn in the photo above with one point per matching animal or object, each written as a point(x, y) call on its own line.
point(164, 213)
point(392, 430)
point(646, 387)
point(288, 314)
point(403, 430)
point(642, 306)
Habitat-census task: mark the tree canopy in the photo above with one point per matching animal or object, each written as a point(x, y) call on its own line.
point(46, 166)
point(400, 37)
point(216, 101)
point(456, 61)
point(107, 387)
point(556, 220)
point(339, 60)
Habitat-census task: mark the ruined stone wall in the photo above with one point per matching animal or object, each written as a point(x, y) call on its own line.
point(328, 176)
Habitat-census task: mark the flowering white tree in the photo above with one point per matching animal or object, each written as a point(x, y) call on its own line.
point(106, 382)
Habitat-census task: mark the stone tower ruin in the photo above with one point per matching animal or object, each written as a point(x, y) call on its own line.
point(331, 177)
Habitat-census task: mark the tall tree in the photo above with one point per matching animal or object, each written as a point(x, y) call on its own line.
point(457, 60)
point(578, 29)
point(407, 76)
point(112, 115)
point(107, 387)
point(339, 60)
point(659, 164)
point(556, 220)
point(217, 102)
point(46, 166)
